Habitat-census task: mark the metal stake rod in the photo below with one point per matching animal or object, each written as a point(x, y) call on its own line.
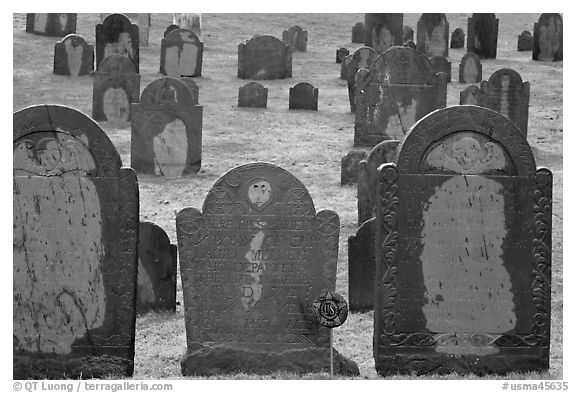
point(331, 357)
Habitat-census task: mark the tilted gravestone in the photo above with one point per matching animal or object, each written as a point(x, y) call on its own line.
point(303, 96)
point(169, 29)
point(264, 57)
point(505, 93)
point(358, 33)
point(361, 58)
point(117, 35)
point(296, 38)
point(383, 31)
point(143, 28)
point(252, 263)
point(181, 54)
point(470, 95)
point(525, 41)
point(463, 257)
point(166, 130)
point(400, 88)
point(432, 35)
point(362, 267)
point(548, 37)
point(407, 33)
point(54, 25)
point(349, 166)
point(341, 53)
point(193, 87)
point(252, 95)
point(457, 39)
point(189, 21)
point(157, 260)
point(483, 35)
point(75, 245)
point(116, 85)
point(441, 64)
point(470, 69)
point(73, 56)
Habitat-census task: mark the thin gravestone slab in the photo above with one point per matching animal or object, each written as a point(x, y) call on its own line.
point(296, 38)
point(470, 69)
point(252, 263)
point(117, 35)
point(362, 267)
point(181, 54)
point(303, 96)
point(470, 95)
point(432, 33)
point(358, 33)
point(361, 58)
point(483, 35)
point(383, 31)
point(264, 57)
point(525, 41)
point(75, 253)
point(252, 95)
point(457, 39)
point(548, 38)
point(53, 25)
point(441, 64)
point(73, 56)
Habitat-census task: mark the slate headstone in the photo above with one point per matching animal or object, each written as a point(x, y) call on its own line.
point(361, 58)
point(548, 37)
point(252, 263)
point(383, 31)
point(470, 95)
point(143, 28)
point(407, 33)
point(117, 35)
point(296, 38)
point(362, 267)
point(440, 64)
point(252, 95)
point(432, 35)
point(463, 256)
point(470, 68)
point(166, 130)
point(53, 25)
point(483, 35)
point(194, 88)
point(349, 166)
point(169, 29)
point(73, 56)
point(189, 21)
point(181, 54)
point(303, 96)
point(341, 53)
point(264, 57)
point(75, 248)
point(457, 39)
point(525, 41)
point(358, 33)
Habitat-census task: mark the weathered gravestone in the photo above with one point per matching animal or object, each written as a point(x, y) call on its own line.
point(169, 29)
point(525, 41)
point(463, 250)
point(54, 25)
point(189, 21)
point(483, 35)
point(358, 33)
point(143, 28)
point(470, 69)
point(407, 33)
point(441, 64)
point(349, 166)
point(410, 44)
point(548, 37)
point(264, 57)
point(252, 95)
point(193, 87)
point(166, 130)
point(504, 92)
point(75, 245)
point(382, 153)
point(470, 95)
point(157, 260)
point(303, 96)
point(116, 85)
point(400, 87)
point(116, 35)
point(432, 35)
point(341, 53)
point(383, 31)
point(181, 54)
point(252, 263)
point(73, 56)
point(457, 39)
point(296, 38)
point(362, 267)
point(361, 58)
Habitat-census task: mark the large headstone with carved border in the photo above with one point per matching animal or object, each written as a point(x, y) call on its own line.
point(181, 54)
point(432, 35)
point(252, 263)
point(296, 38)
point(73, 56)
point(382, 31)
point(548, 38)
point(482, 36)
point(463, 257)
point(54, 25)
point(264, 57)
point(75, 248)
point(117, 35)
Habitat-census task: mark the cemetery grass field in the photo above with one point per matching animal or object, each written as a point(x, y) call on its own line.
point(309, 144)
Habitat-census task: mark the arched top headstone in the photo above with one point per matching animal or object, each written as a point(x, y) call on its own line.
point(470, 95)
point(169, 29)
point(113, 25)
point(385, 151)
point(193, 86)
point(167, 91)
point(401, 65)
point(183, 35)
point(117, 64)
point(263, 40)
point(253, 87)
point(74, 39)
point(496, 78)
point(470, 68)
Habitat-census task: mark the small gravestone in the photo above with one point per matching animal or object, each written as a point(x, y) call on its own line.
point(470, 95)
point(116, 85)
point(470, 68)
point(505, 93)
point(53, 25)
point(407, 33)
point(362, 267)
point(400, 87)
point(410, 44)
point(361, 58)
point(181, 54)
point(75, 248)
point(117, 35)
point(264, 57)
point(303, 96)
point(525, 41)
point(463, 250)
point(440, 64)
point(457, 39)
point(169, 29)
point(192, 22)
point(349, 166)
point(193, 87)
point(252, 95)
point(296, 38)
point(157, 260)
point(252, 263)
point(144, 28)
point(548, 37)
point(73, 56)
point(483, 35)
point(383, 31)
point(341, 53)
point(166, 130)
point(358, 33)
point(432, 35)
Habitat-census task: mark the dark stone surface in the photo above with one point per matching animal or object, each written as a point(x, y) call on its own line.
point(157, 260)
point(341, 53)
point(457, 39)
point(362, 267)
point(117, 35)
point(252, 263)
point(296, 38)
point(303, 96)
point(483, 35)
point(409, 44)
point(361, 58)
point(73, 56)
point(169, 29)
point(548, 37)
point(400, 87)
point(76, 226)
point(166, 130)
point(463, 261)
point(53, 25)
point(264, 57)
point(349, 166)
point(383, 31)
point(116, 86)
point(252, 95)
point(144, 28)
point(407, 33)
point(181, 54)
point(358, 33)
point(470, 95)
point(432, 35)
point(440, 64)
point(194, 88)
point(525, 41)
point(470, 69)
